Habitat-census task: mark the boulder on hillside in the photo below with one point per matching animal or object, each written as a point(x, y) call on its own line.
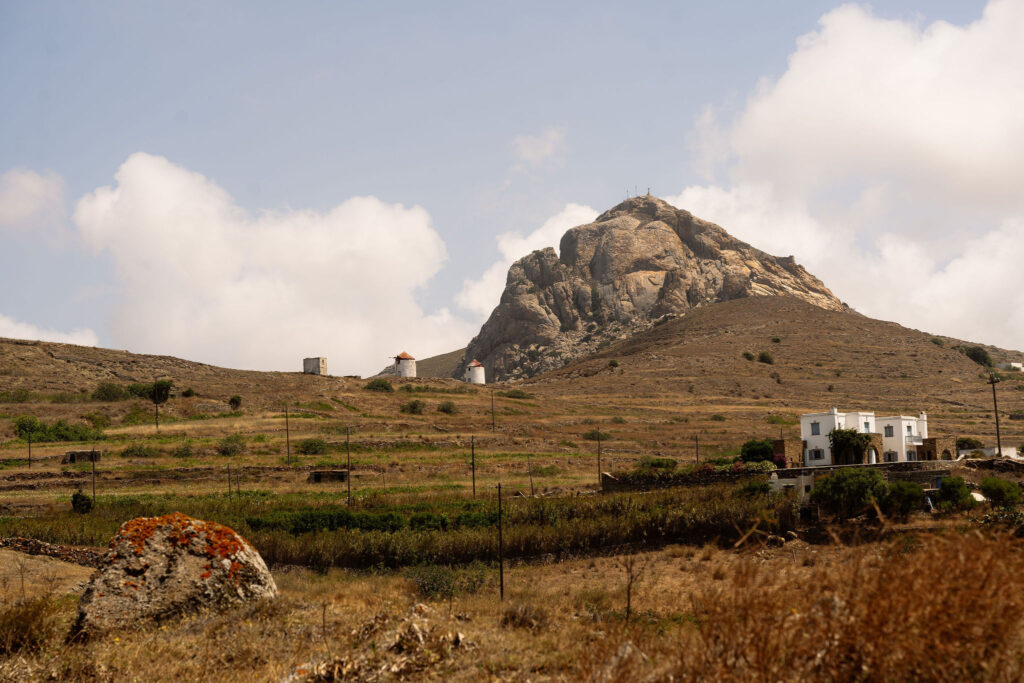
point(157, 567)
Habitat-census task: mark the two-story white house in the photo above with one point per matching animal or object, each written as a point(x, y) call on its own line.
point(899, 436)
point(815, 428)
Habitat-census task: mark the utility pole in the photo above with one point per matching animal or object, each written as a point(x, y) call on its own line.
point(348, 464)
point(229, 483)
point(30, 450)
point(696, 447)
point(287, 436)
point(993, 380)
point(92, 457)
point(501, 551)
point(598, 456)
point(472, 461)
point(492, 412)
point(529, 467)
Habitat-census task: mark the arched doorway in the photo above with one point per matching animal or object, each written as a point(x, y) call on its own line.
point(872, 456)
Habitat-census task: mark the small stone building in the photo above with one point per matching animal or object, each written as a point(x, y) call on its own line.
point(314, 366)
point(71, 457)
point(475, 373)
point(405, 365)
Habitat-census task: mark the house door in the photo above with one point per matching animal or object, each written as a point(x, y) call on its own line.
point(872, 456)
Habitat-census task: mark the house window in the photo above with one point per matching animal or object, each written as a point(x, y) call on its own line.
point(817, 454)
point(909, 430)
point(889, 430)
point(891, 456)
point(911, 456)
point(815, 429)
point(867, 426)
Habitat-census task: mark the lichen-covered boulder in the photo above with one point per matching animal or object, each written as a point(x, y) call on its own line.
point(158, 567)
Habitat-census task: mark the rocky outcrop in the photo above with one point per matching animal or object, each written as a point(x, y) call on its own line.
point(157, 567)
point(639, 262)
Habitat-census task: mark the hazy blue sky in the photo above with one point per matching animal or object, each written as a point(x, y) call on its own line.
point(493, 118)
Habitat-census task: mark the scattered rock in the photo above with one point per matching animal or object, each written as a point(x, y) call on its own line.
point(157, 567)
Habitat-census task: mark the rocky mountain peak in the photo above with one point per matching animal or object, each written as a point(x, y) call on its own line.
point(638, 262)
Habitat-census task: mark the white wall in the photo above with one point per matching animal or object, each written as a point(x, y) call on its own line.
point(476, 375)
point(826, 423)
point(406, 368)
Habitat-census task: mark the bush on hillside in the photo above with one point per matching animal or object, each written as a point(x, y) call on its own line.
point(312, 447)
point(757, 450)
point(515, 393)
point(978, 354)
point(968, 443)
point(847, 493)
point(81, 503)
point(235, 402)
point(379, 384)
point(109, 392)
point(1000, 492)
point(748, 355)
point(447, 407)
point(596, 435)
point(765, 357)
point(413, 407)
point(28, 426)
point(139, 450)
point(231, 445)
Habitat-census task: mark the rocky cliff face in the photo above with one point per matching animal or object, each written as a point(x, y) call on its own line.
point(637, 263)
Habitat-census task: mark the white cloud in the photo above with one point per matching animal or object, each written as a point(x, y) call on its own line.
point(537, 150)
point(481, 295)
point(12, 329)
point(30, 200)
point(889, 159)
point(202, 278)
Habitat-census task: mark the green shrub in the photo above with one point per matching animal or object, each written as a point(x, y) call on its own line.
point(613, 363)
point(436, 581)
point(1000, 492)
point(595, 435)
point(379, 384)
point(752, 488)
point(235, 402)
point(16, 396)
point(233, 444)
point(413, 407)
point(312, 447)
point(968, 443)
point(188, 393)
point(978, 354)
point(937, 341)
point(447, 407)
point(647, 462)
point(429, 520)
point(904, 497)
point(748, 355)
point(26, 426)
point(109, 392)
point(954, 495)
point(765, 357)
point(718, 418)
point(27, 625)
point(81, 503)
point(847, 493)
point(183, 450)
point(618, 420)
point(757, 450)
point(515, 393)
point(776, 340)
point(138, 449)
point(97, 420)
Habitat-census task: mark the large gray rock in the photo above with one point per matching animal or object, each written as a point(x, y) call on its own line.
point(637, 263)
point(157, 567)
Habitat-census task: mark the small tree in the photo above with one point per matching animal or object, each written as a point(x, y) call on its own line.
point(109, 392)
point(81, 503)
point(235, 402)
point(848, 445)
point(1000, 492)
point(954, 495)
point(159, 392)
point(849, 492)
point(904, 497)
point(965, 443)
point(312, 447)
point(757, 450)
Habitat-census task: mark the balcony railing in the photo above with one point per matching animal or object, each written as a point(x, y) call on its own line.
point(913, 438)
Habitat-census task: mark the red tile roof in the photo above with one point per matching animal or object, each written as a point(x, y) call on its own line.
point(404, 356)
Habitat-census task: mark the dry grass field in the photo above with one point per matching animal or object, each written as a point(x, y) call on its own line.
point(701, 608)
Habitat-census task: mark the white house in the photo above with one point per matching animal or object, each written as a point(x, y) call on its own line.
point(1012, 366)
point(901, 435)
point(314, 366)
point(405, 365)
point(475, 373)
point(815, 428)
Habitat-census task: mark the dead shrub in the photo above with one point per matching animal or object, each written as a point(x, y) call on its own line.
point(26, 625)
point(526, 617)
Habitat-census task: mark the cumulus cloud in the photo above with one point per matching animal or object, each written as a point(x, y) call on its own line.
point(535, 151)
point(30, 200)
point(481, 295)
point(13, 329)
point(202, 278)
point(888, 158)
